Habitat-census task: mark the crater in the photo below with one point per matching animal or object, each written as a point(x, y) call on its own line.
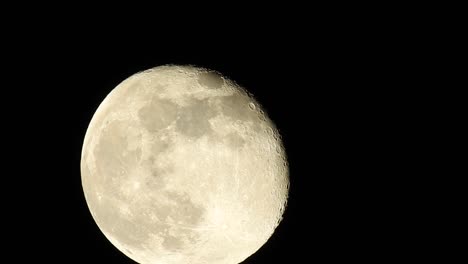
point(210, 80)
point(237, 107)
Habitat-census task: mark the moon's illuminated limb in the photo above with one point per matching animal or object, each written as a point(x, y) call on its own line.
point(181, 165)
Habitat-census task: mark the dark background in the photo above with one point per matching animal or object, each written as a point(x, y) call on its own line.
point(316, 82)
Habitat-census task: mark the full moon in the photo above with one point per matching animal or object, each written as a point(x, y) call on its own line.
point(182, 165)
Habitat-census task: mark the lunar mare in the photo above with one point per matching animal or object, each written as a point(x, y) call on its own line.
point(181, 165)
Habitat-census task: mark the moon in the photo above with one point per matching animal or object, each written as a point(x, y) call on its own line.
point(182, 165)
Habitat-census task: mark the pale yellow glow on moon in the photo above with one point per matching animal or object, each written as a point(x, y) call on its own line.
point(180, 165)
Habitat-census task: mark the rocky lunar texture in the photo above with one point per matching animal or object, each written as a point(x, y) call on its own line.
point(181, 165)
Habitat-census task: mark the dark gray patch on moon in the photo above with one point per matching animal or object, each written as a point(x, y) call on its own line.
point(210, 80)
point(158, 175)
point(237, 107)
point(194, 119)
point(234, 140)
point(172, 243)
point(158, 114)
point(181, 214)
point(184, 209)
point(157, 172)
point(158, 146)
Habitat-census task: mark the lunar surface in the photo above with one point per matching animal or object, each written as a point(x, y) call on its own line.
point(181, 165)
